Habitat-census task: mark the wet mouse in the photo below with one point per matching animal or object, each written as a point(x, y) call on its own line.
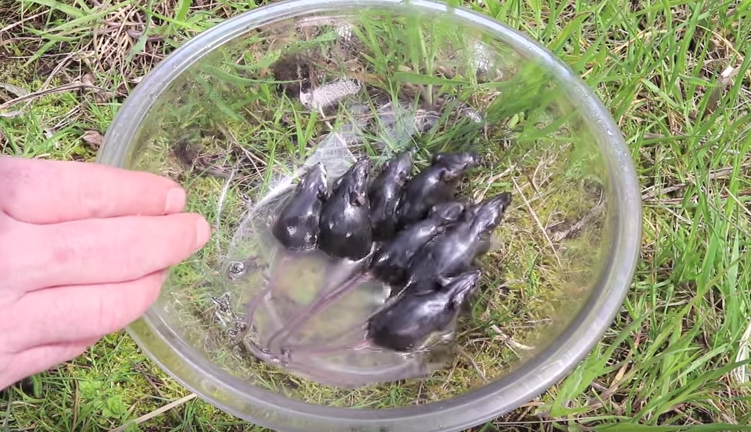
point(455, 250)
point(433, 185)
point(412, 319)
point(384, 194)
point(391, 261)
point(345, 230)
point(461, 159)
point(494, 208)
point(297, 226)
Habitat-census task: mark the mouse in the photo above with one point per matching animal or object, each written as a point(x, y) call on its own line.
point(345, 229)
point(407, 324)
point(433, 185)
point(391, 261)
point(455, 250)
point(384, 194)
point(297, 225)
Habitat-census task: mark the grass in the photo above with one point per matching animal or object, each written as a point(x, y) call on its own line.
point(674, 75)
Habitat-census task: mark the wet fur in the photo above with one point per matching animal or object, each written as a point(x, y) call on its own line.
point(297, 226)
point(455, 250)
point(434, 185)
point(384, 194)
point(345, 230)
point(411, 320)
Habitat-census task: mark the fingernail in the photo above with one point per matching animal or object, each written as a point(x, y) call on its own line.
point(175, 200)
point(203, 233)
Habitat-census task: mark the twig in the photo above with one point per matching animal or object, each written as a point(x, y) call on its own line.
point(725, 79)
point(548, 421)
point(473, 363)
point(591, 214)
point(509, 340)
point(18, 92)
point(740, 373)
point(479, 197)
point(155, 413)
point(539, 224)
point(644, 34)
point(713, 175)
point(60, 65)
point(139, 367)
point(76, 402)
point(18, 23)
point(595, 403)
point(41, 93)
point(220, 203)
point(679, 201)
point(723, 410)
point(737, 201)
point(448, 378)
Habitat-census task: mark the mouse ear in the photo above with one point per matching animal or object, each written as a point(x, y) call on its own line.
point(458, 299)
point(358, 198)
point(448, 176)
point(323, 192)
point(460, 296)
point(443, 281)
point(337, 182)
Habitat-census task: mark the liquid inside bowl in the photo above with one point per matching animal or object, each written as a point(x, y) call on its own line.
point(240, 125)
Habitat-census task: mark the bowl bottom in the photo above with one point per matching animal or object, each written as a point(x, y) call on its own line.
point(238, 136)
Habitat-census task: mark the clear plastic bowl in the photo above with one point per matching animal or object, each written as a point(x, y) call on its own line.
point(211, 116)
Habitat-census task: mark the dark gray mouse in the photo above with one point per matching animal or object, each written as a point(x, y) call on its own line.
point(384, 194)
point(297, 225)
point(494, 209)
point(391, 261)
point(459, 159)
point(455, 250)
point(412, 319)
point(345, 230)
point(433, 185)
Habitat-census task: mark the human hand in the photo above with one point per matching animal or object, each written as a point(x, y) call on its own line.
point(84, 251)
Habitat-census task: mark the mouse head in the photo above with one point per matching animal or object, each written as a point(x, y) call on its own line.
point(488, 214)
point(401, 166)
point(460, 161)
point(453, 165)
point(447, 212)
point(315, 181)
point(461, 286)
point(356, 181)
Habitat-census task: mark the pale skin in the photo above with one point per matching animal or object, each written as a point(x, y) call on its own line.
point(84, 251)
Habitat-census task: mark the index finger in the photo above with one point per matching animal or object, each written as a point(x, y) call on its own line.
point(44, 192)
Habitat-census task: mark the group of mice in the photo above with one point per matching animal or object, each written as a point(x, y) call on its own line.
point(410, 232)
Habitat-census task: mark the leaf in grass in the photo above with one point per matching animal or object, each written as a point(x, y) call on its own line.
point(69, 10)
point(16, 91)
point(88, 79)
point(567, 31)
point(182, 10)
point(93, 138)
point(10, 88)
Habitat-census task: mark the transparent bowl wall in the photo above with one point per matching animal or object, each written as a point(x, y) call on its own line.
point(562, 260)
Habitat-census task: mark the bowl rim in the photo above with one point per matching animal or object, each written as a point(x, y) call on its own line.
point(477, 406)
